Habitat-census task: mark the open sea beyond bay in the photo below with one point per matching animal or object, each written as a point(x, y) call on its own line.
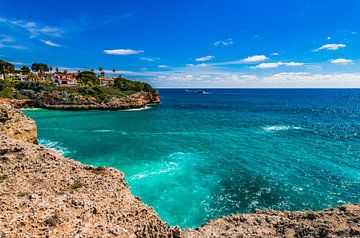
point(203, 155)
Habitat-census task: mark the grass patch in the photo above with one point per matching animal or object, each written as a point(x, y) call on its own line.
point(97, 170)
point(77, 185)
point(2, 177)
point(23, 194)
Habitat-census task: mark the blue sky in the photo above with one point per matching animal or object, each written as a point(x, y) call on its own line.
point(227, 43)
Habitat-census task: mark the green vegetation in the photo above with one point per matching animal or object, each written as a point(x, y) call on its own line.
point(7, 89)
point(25, 69)
point(2, 177)
point(87, 79)
point(77, 185)
point(88, 84)
point(129, 85)
point(40, 68)
point(23, 194)
point(6, 68)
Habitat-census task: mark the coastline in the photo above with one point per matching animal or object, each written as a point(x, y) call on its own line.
point(35, 174)
point(138, 100)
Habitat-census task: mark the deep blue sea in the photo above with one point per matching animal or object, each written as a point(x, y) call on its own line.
point(198, 156)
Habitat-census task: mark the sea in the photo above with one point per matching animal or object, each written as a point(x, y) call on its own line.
point(204, 154)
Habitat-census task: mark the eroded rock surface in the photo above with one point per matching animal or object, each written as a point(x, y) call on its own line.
point(335, 222)
point(43, 194)
point(16, 125)
point(66, 101)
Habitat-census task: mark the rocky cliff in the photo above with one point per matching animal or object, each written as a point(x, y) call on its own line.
point(62, 100)
point(335, 222)
point(16, 125)
point(43, 194)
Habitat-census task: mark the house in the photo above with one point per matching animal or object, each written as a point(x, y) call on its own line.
point(64, 79)
point(23, 77)
point(107, 81)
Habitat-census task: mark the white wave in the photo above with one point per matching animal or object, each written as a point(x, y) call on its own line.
point(103, 131)
point(137, 109)
point(30, 109)
point(281, 128)
point(152, 173)
point(55, 145)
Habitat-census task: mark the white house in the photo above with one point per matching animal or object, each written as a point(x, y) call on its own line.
point(63, 79)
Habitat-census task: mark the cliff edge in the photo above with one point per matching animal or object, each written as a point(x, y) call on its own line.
point(16, 125)
point(43, 194)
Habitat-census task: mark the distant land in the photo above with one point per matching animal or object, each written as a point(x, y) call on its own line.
point(45, 87)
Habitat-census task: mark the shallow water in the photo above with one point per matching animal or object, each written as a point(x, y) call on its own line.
point(197, 156)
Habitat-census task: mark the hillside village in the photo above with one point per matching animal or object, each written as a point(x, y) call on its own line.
point(40, 72)
point(82, 90)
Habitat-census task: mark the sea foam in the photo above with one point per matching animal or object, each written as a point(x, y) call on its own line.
point(56, 146)
point(281, 128)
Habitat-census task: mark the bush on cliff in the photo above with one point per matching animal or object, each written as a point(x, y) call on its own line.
point(7, 89)
point(87, 78)
point(129, 85)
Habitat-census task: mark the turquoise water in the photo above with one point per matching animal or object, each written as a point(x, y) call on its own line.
point(197, 156)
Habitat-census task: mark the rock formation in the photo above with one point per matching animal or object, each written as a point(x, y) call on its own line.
point(66, 101)
point(335, 222)
point(43, 194)
point(16, 125)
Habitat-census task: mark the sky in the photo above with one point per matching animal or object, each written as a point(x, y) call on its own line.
point(191, 44)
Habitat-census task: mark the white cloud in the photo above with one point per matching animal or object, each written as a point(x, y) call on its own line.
point(341, 61)
point(255, 58)
point(294, 64)
point(268, 65)
point(331, 47)
point(50, 43)
point(123, 52)
point(19, 63)
point(275, 54)
point(277, 64)
point(203, 65)
point(162, 66)
point(224, 42)
point(9, 42)
point(197, 77)
point(205, 58)
point(35, 29)
point(189, 65)
point(150, 59)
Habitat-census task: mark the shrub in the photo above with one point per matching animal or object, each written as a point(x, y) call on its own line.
point(77, 185)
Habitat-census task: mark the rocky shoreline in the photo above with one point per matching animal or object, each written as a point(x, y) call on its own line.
point(43, 194)
point(79, 102)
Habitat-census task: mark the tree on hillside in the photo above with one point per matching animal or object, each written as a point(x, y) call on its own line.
point(87, 78)
point(114, 70)
point(102, 73)
point(6, 68)
point(57, 70)
point(129, 85)
point(50, 68)
point(33, 76)
point(40, 68)
point(25, 69)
